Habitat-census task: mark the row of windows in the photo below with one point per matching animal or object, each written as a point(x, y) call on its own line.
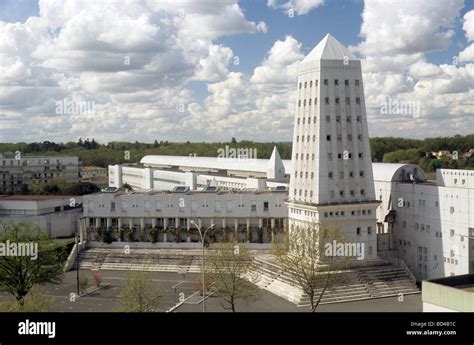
point(332, 194)
point(328, 138)
point(328, 119)
point(332, 214)
point(339, 156)
point(330, 174)
point(326, 101)
point(326, 82)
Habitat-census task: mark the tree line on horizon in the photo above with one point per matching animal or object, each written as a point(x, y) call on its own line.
point(386, 149)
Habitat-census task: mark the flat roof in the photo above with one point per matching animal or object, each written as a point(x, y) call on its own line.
point(34, 197)
point(462, 282)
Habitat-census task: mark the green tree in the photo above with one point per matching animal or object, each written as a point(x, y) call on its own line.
point(33, 302)
point(303, 255)
point(19, 274)
point(138, 293)
point(229, 269)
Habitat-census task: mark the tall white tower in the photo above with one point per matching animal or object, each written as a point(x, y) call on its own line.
point(331, 179)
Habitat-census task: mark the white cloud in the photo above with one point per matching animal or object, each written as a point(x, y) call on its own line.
point(299, 7)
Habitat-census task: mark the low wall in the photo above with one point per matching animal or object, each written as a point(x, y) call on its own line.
point(170, 245)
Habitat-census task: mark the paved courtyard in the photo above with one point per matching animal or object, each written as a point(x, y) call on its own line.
point(171, 285)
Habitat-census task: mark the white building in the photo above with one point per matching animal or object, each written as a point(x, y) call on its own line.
point(428, 224)
point(166, 172)
point(14, 172)
point(331, 178)
point(52, 213)
point(252, 216)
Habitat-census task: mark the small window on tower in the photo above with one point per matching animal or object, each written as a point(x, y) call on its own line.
point(336, 82)
point(312, 175)
point(311, 83)
point(330, 175)
point(362, 192)
point(315, 101)
point(299, 103)
point(351, 193)
point(338, 119)
point(348, 100)
point(300, 85)
point(346, 82)
point(325, 82)
point(358, 231)
point(356, 83)
point(309, 101)
point(360, 155)
point(328, 137)
point(328, 119)
point(309, 119)
point(337, 100)
point(358, 118)
point(326, 100)
point(357, 100)
point(305, 83)
point(304, 103)
point(315, 83)
point(341, 193)
point(351, 174)
point(361, 173)
point(297, 140)
point(298, 121)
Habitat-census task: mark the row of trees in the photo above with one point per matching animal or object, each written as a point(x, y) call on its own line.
point(59, 188)
point(91, 152)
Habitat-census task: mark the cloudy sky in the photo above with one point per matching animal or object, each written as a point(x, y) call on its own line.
point(211, 70)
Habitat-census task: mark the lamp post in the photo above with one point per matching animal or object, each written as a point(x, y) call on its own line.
point(202, 235)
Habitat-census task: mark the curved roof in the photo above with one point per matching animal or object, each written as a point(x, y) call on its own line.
point(397, 172)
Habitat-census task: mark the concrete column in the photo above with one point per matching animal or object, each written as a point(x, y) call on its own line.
point(236, 229)
point(176, 222)
point(188, 223)
point(248, 230)
point(142, 223)
point(200, 222)
point(109, 222)
point(272, 223)
point(97, 222)
point(260, 222)
point(223, 227)
point(153, 222)
point(130, 223)
point(119, 222)
point(223, 222)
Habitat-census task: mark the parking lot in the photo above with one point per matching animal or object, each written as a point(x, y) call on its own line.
point(172, 285)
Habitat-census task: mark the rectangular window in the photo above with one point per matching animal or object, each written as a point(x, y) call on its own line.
point(328, 137)
point(265, 205)
point(346, 82)
point(325, 82)
point(336, 82)
point(326, 100)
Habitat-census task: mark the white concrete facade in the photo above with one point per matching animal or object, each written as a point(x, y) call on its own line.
point(433, 228)
point(331, 175)
point(53, 214)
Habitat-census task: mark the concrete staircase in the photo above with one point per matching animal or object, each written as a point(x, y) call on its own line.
point(184, 261)
point(379, 279)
